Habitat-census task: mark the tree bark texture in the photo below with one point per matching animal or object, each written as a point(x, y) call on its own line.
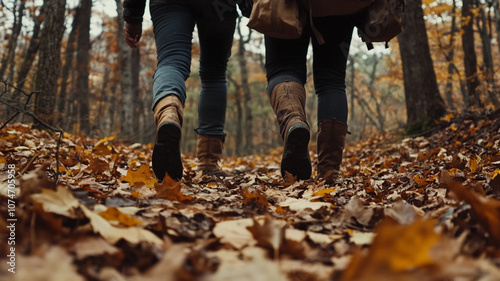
point(83, 66)
point(127, 97)
point(63, 98)
point(488, 71)
point(48, 68)
point(470, 59)
point(423, 101)
point(8, 58)
point(33, 47)
point(247, 95)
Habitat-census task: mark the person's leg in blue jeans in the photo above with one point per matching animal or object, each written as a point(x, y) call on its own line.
point(173, 27)
point(173, 23)
point(329, 71)
point(286, 75)
point(216, 37)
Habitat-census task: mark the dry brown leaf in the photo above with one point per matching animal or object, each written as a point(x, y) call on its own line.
point(235, 233)
point(269, 235)
point(396, 249)
point(171, 190)
point(254, 196)
point(113, 214)
point(35, 181)
point(61, 201)
point(401, 212)
point(53, 263)
point(254, 266)
point(487, 210)
point(355, 209)
point(170, 267)
point(98, 165)
point(143, 174)
point(93, 247)
point(113, 234)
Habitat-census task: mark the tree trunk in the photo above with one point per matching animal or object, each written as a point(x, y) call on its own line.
point(49, 59)
point(449, 56)
point(376, 101)
point(33, 47)
point(496, 9)
point(127, 101)
point(488, 71)
point(423, 102)
point(14, 39)
point(63, 101)
point(137, 103)
point(470, 60)
point(83, 66)
point(247, 100)
point(8, 58)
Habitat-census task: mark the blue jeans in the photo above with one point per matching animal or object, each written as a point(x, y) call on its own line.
point(286, 61)
point(173, 25)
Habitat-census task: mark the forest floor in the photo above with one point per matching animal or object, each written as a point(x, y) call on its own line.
point(408, 208)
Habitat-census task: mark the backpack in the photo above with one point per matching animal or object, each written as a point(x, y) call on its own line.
point(282, 19)
point(381, 22)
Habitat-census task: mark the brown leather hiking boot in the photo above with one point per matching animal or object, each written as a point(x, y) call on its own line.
point(209, 152)
point(288, 101)
point(166, 151)
point(330, 142)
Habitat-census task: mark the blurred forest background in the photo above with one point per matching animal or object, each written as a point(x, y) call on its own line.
point(66, 62)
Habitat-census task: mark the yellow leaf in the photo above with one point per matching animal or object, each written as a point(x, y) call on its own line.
point(420, 180)
point(448, 117)
point(473, 163)
point(495, 173)
point(143, 174)
point(324, 192)
point(113, 214)
point(453, 127)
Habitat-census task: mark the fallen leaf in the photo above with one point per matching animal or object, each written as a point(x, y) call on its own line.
point(487, 210)
point(355, 209)
point(61, 201)
point(53, 263)
point(171, 190)
point(93, 247)
point(235, 232)
point(113, 214)
point(113, 234)
point(269, 235)
point(395, 249)
point(143, 174)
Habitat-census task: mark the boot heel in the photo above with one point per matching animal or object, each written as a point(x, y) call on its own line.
point(296, 158)
point(166, 152)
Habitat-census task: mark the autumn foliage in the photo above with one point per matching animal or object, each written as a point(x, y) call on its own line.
point(408, 208)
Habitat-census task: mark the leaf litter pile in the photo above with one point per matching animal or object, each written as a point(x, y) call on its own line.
point(419, 208)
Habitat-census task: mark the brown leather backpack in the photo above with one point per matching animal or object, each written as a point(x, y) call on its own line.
point(381, 21)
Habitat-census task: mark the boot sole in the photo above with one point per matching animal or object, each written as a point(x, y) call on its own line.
point(295, 159)
point(166, 152)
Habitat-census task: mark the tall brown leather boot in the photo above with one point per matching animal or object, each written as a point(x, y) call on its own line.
point(209, 152)
point(330, 142)
point(167, 149)
point(288, 101)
